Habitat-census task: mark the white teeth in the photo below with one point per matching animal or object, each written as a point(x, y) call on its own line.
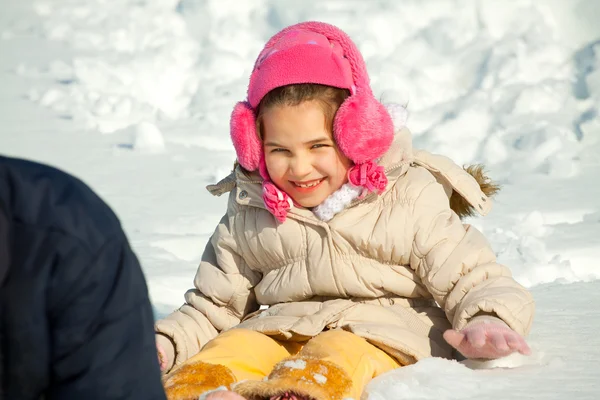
point(303, 185)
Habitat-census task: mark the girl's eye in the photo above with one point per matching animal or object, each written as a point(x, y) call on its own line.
point(318, 146)
point(278, 150)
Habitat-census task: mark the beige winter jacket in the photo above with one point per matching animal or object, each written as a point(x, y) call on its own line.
point(380, 268)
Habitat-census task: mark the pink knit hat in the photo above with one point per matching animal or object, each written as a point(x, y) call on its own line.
point(316, 52)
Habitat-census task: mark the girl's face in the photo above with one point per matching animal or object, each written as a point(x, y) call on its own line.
point(301, 156)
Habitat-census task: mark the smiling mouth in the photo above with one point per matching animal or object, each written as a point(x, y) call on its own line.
point(308, 185)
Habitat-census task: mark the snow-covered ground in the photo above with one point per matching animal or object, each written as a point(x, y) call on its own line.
point(134, 97)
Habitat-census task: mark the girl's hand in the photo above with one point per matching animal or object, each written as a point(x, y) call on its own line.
point(162, 357)
point(486, 337)
point(165, 350)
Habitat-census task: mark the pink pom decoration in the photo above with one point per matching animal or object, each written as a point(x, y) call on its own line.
point(276, 201)
point(368, 175)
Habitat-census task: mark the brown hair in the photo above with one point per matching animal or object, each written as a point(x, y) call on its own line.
point(329, 98)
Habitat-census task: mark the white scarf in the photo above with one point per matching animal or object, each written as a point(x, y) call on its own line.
point(337, 201)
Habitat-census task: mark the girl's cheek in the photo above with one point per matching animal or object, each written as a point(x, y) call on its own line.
point(328, 160)
point(276, 166)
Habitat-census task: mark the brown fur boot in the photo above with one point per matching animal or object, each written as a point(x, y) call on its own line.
point(300, 377)
point(190, 381)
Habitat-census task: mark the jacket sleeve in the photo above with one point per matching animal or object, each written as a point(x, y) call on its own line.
point(223, 294)
point(102, 339)
point(459, 268)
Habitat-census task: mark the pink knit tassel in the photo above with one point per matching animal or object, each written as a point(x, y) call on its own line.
point(368, 175)
point(276, 201)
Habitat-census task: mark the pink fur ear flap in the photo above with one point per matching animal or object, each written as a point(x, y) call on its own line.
point(243, 134)
point(363, 128)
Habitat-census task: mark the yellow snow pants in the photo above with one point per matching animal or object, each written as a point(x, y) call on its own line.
point(333, 365)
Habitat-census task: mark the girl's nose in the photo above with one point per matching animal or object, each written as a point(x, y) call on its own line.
point(301, 166)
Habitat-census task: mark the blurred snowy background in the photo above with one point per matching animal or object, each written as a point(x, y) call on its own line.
point(134, 97)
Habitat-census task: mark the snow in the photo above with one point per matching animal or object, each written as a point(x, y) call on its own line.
point(295, 364)
point(146, 137)
point(205, 395)
point(321, 379)
point(134, 97)
point(563, 363)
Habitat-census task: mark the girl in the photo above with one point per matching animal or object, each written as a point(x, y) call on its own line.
point(350, 237)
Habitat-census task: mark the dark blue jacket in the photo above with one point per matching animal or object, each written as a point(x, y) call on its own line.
point(75, 318)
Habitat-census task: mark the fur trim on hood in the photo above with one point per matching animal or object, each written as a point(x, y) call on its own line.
point(459, 204)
